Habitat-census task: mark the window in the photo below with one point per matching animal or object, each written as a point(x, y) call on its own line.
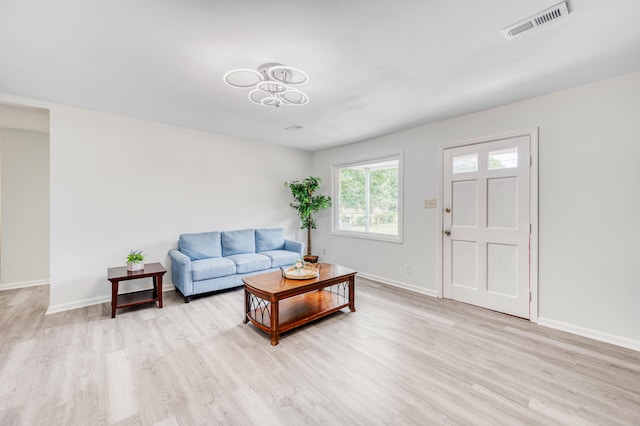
point(368, 199)
point(503, 159)
point(465, 163)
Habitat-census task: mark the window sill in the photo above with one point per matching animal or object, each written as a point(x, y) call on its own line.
point(369, 236)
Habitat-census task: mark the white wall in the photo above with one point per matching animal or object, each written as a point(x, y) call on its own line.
point(119, 184)
point(589, 204)
point(24, 165)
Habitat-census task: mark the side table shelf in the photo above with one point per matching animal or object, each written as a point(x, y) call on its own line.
point(151, 270)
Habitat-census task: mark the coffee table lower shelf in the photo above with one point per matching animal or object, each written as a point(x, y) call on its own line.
point(298, 310)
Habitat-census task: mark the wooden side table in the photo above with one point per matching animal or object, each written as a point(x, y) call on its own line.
point(120, 273)
point(311, 258)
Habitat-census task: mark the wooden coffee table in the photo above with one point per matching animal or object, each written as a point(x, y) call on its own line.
point(276, 304)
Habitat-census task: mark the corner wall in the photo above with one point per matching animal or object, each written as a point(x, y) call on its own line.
point(589, 153)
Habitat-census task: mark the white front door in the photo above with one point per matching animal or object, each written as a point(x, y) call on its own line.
point(486, 221)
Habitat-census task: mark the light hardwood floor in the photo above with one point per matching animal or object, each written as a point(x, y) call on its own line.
point(400, 359)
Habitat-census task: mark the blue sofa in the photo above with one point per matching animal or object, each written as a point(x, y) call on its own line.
point(211, 261)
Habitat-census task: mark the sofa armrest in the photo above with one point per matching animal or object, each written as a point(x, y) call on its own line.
point(181, 272)
point(296, 246)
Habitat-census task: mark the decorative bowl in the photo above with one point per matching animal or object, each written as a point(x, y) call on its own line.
point(305, 273)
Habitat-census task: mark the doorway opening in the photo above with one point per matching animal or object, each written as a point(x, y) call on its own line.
point(24, 196)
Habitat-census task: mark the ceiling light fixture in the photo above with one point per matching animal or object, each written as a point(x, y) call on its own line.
point(272, 84)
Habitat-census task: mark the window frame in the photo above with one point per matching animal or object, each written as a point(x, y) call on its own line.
point(335, 188)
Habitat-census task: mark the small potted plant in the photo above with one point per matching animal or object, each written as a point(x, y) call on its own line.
point(135, 261)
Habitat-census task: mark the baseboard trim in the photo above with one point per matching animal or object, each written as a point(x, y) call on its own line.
point(590, 333)
point(61, 307)
point(405, 286)
point(23, 284)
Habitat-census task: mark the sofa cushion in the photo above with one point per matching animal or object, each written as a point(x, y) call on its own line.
point(269, 239)
point(201, 245)
point(236, 242)
point(281, 257)
point(250, 262)
point(206, 269)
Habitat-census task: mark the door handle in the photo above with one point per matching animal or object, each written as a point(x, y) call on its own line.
point(447, 232)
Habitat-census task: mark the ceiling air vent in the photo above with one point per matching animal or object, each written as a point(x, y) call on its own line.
point(554, 13)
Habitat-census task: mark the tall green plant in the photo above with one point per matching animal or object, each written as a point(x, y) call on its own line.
point(307, 204)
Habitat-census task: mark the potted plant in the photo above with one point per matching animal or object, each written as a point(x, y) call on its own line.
point(135, 261)
point(307, 204)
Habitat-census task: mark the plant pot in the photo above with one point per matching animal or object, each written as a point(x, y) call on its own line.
point(135, 266)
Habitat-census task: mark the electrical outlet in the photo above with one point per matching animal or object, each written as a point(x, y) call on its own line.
point(431, 203)
point(407, 268)
point(324, 252)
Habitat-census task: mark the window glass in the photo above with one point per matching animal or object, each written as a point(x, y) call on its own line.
point(368, 199)
point(503, 159)
point(465, 163)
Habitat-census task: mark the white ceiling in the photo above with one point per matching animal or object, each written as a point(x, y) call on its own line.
point(375, 66)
